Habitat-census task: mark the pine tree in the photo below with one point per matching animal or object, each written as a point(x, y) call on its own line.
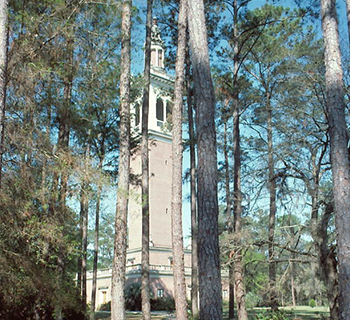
point(208, 242)
point(176, 192)
point(145, 287)
point(339, 144)
point(119, 261)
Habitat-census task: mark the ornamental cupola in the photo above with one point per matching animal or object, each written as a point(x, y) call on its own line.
point(161, 86)
point(157, 48)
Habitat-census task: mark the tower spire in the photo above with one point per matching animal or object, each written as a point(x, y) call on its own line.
point(157, 48)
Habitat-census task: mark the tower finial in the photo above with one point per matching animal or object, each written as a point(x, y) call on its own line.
point(155, 32)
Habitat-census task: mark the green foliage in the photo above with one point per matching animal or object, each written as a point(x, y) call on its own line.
point(54, 82)
point(271, 315)
point(133, 297)
point(312, 303)
point(163, 304)
point(133, 301)
point(253, 300)
point(105, 306)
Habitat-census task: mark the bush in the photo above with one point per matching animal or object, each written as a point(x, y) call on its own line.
point(105, 306)
point(133, 301)
point(312, 303)
point(271, 315)
point(133, 297)
point(163, 304)
point(253, 300)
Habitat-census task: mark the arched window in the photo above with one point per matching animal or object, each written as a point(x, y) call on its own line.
point(153, 57)
point(160, 110)
point(160, 58)
point(169, 110)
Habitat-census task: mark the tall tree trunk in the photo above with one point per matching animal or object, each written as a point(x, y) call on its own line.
point(328, 262)
point(239, 287)
point(176, 192)
point(272, 218)
point(339, 149)
point(237, 209)
point(96, 245)
point(231, 304)
point(326, 257)
point(96, 239)
point(120, 242)
point(3, 74)
point(84, 215)
point(64, 122)
point(84, 234)
point(208, 237)
point(292, 284)
point(63, 145)
point(192, 138)
point(145, 286)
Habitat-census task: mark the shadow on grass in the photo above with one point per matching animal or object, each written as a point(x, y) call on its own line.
point(134, 315)
point(298, 313)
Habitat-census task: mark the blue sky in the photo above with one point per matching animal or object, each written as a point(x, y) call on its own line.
point(138, 64)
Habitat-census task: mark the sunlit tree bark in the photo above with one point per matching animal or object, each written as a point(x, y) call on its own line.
point(145, 288)
point(239, 288)
point(339, 149)
point(208, 240)
point(176, 192)
point(3, 72)
point(194, 254)
point(120, 241)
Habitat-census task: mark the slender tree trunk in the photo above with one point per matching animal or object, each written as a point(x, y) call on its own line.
point(3, 74)
point(339, 149)
point(272, 219)
point(145, 286)
point(292, 284)
point(227, 172)
point(327, 260)
point(64, 123)
point(192, 138)
point(231, 304)
point(325, 254)
point(239, 287)
point(238, 259)
point(120, 242)
point(84, 226)
point(96, 244)
point(96, 240)
point(63, 145)
point(176, 194)
point(84, 215)
point(208, 238)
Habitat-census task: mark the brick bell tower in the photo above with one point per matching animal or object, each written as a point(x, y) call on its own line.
point(160, 168)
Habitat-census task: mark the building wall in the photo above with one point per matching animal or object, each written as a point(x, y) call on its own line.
point(160, 164)
point(161, 278)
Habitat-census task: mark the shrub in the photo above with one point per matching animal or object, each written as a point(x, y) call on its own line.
point(105, 306)
point(163, 304)
point(252, 300)
point(312, 303)
point(133, 297)
point(271, 315)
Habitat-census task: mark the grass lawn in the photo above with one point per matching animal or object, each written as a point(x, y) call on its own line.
point(133, 315)
point(298, 313)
